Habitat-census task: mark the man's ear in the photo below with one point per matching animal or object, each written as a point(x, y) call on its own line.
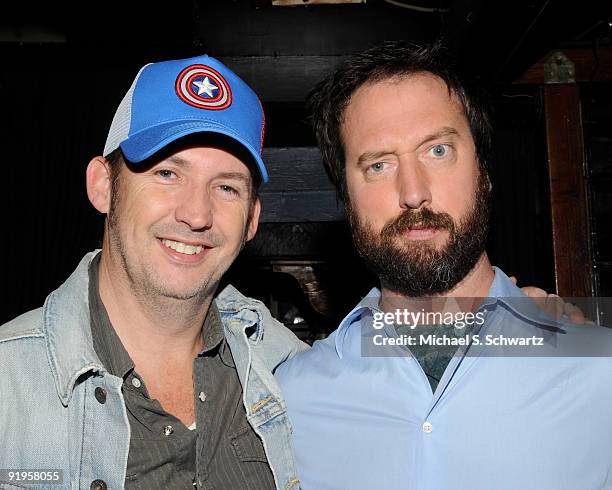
point(253, 219)
point(98, 179)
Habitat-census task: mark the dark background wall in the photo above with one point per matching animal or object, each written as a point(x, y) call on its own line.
point(64, 72)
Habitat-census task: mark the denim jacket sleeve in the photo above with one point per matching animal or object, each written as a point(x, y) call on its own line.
point(259, 344)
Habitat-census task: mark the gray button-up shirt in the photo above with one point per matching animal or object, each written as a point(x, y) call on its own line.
point(221, 452)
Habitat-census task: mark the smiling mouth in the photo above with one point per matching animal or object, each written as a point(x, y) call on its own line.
point(183, 248)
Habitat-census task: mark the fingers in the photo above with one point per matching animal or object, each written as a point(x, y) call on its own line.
point(575, 314)
point(534, 292)
point(555, 306)
point(558, 308)
point(550, 303)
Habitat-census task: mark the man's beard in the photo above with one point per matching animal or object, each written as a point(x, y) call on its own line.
point(417, 268)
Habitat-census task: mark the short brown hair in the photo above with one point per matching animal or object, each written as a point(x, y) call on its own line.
point(328, 100)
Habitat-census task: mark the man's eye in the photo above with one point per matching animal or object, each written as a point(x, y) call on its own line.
point(377, 167)
point(166, 174)
point(439, 151)
point(228, 189)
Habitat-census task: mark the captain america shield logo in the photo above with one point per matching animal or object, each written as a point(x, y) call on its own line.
point(203, 87)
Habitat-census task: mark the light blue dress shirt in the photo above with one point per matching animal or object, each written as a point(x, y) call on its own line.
point(535, 418)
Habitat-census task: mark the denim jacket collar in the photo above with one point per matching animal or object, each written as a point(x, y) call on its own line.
point(232, 301)
point(70, 346)
point(69, 343)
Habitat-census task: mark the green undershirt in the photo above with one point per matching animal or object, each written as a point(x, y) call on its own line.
point(433, 358)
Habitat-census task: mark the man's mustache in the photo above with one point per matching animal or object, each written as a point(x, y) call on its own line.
point(410, 219)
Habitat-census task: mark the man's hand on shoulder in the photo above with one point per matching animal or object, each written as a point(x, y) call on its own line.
point(554, 305)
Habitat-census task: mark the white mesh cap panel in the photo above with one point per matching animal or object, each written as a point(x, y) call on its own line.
point(120, 127)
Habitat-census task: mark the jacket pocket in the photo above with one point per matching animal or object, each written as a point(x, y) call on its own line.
point(247, 446)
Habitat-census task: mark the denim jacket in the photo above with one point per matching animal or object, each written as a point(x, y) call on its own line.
point(61, 410)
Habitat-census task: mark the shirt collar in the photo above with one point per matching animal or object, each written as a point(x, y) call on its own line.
point(503, 292)
point(369, 302)
point(106, 342)
point(213, 336)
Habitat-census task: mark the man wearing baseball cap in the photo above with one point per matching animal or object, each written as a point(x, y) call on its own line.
point(137, 372)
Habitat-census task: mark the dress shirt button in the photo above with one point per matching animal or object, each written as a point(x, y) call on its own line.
point(98, 485)
point(168, 430)
point(202, 396)
point(136, 383)
point(427, 427)
point(100, 394)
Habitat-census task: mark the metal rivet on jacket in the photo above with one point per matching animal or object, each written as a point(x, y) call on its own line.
point(98, 484)
point(100, 394)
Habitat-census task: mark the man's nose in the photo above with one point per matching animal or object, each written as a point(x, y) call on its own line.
point(414, 186)
point(195, 208)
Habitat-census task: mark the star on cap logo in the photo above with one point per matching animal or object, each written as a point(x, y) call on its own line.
point(203, 87)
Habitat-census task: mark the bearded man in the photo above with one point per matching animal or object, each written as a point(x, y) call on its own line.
point(502, 396)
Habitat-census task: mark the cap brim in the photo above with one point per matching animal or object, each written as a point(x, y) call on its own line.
point(145, 143)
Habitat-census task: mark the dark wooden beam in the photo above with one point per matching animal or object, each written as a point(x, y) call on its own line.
point(568, 203)
point(299, 190)
point(283, 207)
point(236, 28)
point(589, 67)
point(282, 78)
point(295, 169)
point(274, 78)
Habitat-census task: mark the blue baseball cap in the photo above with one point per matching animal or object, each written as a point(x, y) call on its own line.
point(175, 98)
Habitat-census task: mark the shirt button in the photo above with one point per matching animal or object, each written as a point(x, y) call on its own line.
point(100, 394)
point(168, 430)
point(98, 485)
point(427, 427)
point(202, 396)
point(136, 383)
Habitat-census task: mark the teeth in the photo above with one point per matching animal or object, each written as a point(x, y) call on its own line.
point(183, 247)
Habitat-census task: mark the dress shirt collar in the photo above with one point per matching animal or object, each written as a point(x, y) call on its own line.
point(502, 293)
